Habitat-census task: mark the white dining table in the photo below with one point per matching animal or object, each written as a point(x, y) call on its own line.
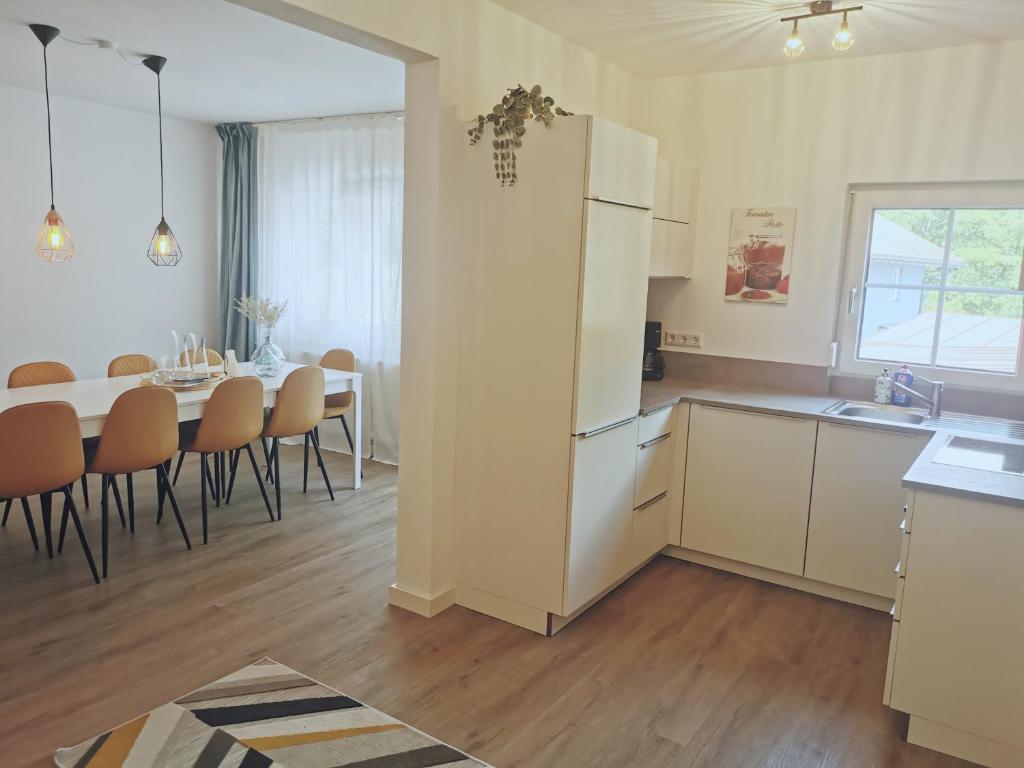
point(93, 398)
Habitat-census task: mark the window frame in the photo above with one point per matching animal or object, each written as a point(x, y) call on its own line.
point(863, 201)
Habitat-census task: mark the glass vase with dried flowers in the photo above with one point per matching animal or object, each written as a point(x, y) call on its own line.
point(267, 357)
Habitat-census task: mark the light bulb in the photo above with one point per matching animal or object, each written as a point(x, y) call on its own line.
point(794, 45)
point(843, 39)
point(163, 245)
point(54, 243)
point(55, 238)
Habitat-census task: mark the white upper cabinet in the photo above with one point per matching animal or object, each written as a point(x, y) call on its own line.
point(675, 191)
point(616, 241)
point(671, 249)
point(622, 164)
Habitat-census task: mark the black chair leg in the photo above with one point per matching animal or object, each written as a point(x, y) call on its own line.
point(104, 521)
point(204, 476)
point(305, 462)
point(64, 521)
point(348, 436)
point(233, 462)
point(177, 469)
point(164, 482)
point(46, 502)
point(259, 479)
point(216, 479)
point(7, 512)
point(275, 450)
point(209, 480)
point(85, 491)
point(323, 467)
point(70, 502)
point(112, 479)
point(160, 494)
point(269, 459)
point(30, 524)
point(131, 503)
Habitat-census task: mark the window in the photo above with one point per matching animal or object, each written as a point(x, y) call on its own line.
point(934, 277)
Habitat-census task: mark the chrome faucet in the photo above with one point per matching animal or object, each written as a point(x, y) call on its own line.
point(934, 402)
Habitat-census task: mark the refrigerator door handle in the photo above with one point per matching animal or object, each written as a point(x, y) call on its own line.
point(605, 428)
point(624, 204)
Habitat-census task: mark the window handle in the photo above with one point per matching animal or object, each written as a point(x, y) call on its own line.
point(851, 301)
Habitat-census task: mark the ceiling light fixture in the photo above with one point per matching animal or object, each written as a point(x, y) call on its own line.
point(164, 250)
point(842, 41)
point(54, 244)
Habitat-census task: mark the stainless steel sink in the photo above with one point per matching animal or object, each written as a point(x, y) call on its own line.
point(877, 412)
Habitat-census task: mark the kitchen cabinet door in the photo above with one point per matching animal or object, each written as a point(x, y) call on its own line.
point(675, 191)
point(621, 165)
point(748, 487)
point(600, 512)
point(610, 347)
point(671, 255)
point(857, 498)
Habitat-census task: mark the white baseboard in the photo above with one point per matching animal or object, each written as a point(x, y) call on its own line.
point(525, 616)
point(966, 746)
point(782, 579)
point(424, 605)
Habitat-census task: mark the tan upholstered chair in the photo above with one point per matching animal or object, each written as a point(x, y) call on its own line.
point(140, 433)
point(41, 453)
point(340, 403)
point(212, 356)
point(297, 411)
point(128, 365)
point(232, 419)
point(37, 374)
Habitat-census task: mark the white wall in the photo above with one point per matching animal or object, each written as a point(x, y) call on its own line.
point(109, 300)
point(797, 135)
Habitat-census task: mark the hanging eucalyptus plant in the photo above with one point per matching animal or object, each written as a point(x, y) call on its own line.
point(509, 120)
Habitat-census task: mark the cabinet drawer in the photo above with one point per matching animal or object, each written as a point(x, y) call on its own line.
point(652, 467)
point(650, 528)
point(891, 663)
point(655, 424)
point(897, 607)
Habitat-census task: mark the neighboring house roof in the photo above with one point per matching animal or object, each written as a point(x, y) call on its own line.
point(893, 242)
point(965, 341)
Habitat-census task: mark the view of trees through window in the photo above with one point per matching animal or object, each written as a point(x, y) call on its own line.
point(969, 320)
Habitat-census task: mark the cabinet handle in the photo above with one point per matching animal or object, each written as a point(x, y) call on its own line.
point(903, 525)
point(606, 428)
point(898, 570)
point(653, 441)
point(655, 500)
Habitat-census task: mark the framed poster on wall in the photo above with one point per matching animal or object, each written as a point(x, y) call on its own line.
point(760, 254)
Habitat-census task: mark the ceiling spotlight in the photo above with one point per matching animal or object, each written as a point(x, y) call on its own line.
point(843, 39)
point(794, 46)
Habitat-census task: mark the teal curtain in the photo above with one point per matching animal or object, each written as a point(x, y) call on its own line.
point(238, 239)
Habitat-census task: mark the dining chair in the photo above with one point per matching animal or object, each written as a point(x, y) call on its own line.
point(41, 453)
point(232, 420)
point(46, 372)
point(340, 403)
point(140, 433)
point(212, 356)
point(128, 365)
point(298, 409)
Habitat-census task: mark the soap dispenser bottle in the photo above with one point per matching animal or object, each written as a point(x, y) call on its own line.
point(883, 388)
point(905, 377)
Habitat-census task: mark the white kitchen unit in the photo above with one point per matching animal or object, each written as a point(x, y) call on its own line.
point(748, 487)
point(544, 480)
point(660, 462)
point(857, 503)
point(955, 654)
point(672, 238)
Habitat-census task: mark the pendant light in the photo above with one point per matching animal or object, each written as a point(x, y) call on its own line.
point(164, 250)
point(844, 38)
point(794, 45)
point(54, 244)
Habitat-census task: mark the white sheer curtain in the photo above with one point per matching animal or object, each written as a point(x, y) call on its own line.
point(330, 239)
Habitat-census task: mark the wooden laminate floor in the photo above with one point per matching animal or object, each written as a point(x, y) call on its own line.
point(681, 666)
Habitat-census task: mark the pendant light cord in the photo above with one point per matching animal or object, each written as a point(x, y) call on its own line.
point(49, 130)
point(160, 122)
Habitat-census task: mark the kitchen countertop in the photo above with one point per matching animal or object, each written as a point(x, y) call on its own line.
point(924, 474)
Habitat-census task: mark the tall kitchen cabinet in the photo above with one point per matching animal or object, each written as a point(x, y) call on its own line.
point(547, 416)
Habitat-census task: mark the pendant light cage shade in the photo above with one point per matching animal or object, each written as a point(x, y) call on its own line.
point(164, 250)
point(54, 243)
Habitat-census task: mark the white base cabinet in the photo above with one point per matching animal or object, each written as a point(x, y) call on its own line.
point(748, 486)
point(857, 499)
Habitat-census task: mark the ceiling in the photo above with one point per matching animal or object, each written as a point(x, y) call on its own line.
point(660, 38)
point(224, 63)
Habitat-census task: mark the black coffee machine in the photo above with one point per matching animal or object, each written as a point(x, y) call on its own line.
point(654, 363)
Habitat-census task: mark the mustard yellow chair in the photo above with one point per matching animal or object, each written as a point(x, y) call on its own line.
point(340, 403)
point(41, 453)
point(298, 409)
point(140, 433)
point(38, 374)
point(212, 356)
point(232, 419)
point(128, 365)
point(28, 519)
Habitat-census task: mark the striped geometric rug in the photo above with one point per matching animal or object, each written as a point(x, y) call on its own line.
point(264, 715)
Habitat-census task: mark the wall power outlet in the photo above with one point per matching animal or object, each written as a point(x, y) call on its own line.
point(683, 339)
